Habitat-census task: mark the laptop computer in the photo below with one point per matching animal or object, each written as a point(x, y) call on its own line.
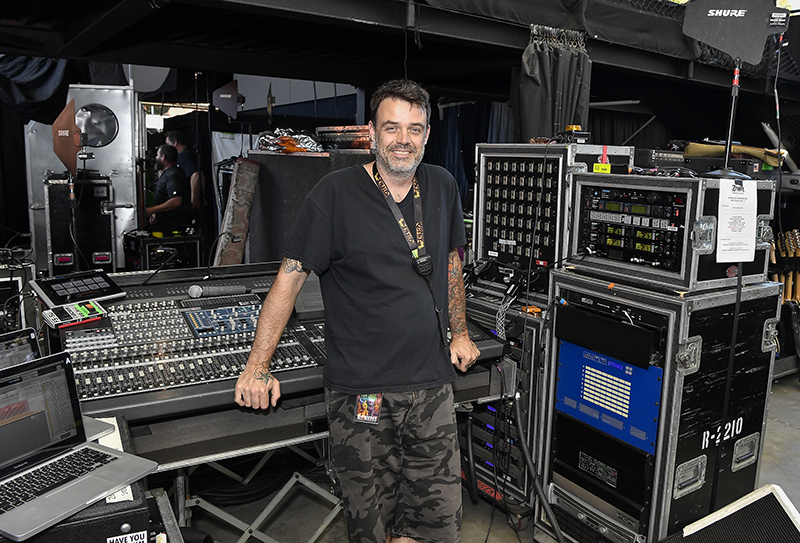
point(21, 346)
point(43, 436)
point(18, 346)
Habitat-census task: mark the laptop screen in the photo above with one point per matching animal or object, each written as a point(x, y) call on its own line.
point(17, 347)
point(40, 415)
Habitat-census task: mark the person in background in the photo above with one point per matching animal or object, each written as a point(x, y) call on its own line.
point(172, 208)
point(389, 284)
point(201, 195)
point(187, 160)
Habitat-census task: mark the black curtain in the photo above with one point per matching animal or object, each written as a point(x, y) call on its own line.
point(552, 90)
point(639, 130)
point(13, 182)
point(453, 139)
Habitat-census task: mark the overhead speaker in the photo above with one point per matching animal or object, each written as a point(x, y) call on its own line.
point(227, 99)
point(764, 516)
point(66, 138)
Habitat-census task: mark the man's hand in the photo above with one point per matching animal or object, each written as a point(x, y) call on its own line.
point(257, 387)
point(463, 352)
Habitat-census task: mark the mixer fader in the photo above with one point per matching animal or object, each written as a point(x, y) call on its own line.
point(159, 353)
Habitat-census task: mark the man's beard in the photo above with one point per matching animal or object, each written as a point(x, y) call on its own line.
point(159, 165)
point(385, 159)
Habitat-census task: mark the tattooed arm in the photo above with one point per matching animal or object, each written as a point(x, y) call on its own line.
point(463, 351)
point(257, 387)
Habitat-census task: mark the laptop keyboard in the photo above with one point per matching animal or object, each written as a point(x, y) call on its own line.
point(50, 476)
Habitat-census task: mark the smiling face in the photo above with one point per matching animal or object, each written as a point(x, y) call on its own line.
point(400, 131)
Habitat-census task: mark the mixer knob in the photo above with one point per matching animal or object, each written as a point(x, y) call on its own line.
point(653, 197)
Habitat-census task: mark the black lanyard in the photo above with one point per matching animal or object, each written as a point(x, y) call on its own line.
point(423, 263)
point(416, 245)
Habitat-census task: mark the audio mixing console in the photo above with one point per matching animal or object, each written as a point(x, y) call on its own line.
point(160, 353)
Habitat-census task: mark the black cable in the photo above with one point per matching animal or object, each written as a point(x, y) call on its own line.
point(78, 252)
point(234, 239)
point(173, 254)
point(728, 380)
point(9, 229)
point(539, 204)
point(11, 239)
point(778, 216)
point(507, 444)
point(472, 476)
point(19, 298)
point(221, 490)
point(537, 484)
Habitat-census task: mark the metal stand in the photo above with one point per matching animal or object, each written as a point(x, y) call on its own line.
point(251, 530)
point(184, 501)
point(727, 172)
point(171, 526)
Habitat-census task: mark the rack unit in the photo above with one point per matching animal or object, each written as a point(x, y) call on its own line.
point(648, 425)
point(522, 202)
point(660, 231)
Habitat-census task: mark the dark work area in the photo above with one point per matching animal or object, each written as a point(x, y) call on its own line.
point(586, 328)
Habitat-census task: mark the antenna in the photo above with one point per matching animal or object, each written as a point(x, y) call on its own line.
point(227, 98)
point(66, 138)
point(739, 28)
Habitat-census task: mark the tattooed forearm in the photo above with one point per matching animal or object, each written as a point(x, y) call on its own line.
point(456, 298)
point(290, 265)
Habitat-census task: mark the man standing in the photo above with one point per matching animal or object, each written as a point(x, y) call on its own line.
point(204, 212)
point(172, 209)
point(187, 160)
point(383, 239)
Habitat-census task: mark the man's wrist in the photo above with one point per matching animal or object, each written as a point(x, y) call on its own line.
point(263, 374)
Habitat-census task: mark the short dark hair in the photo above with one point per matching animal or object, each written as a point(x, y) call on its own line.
point(402, 89)
point(176, 137)
point(169, 153)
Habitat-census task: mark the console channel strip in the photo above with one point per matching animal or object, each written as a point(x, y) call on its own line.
point(157, 347)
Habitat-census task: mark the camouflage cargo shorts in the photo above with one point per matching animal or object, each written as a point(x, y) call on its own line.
point(402, 476)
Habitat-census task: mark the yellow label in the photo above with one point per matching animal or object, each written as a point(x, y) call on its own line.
point(601, 168)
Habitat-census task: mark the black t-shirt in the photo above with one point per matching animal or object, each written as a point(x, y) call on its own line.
point(173, 183)
point(187, 160)
point(381, 330)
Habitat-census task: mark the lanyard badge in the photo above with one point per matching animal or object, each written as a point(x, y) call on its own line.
point(422, 261)
point(368, 408)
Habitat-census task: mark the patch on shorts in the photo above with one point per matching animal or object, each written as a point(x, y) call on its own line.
point(368, 408)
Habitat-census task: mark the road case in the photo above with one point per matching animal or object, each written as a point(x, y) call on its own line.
point(660, 231)
point(494, 431)
point(648, 423)
point(80, 229)
point(144, 251)
point(522, 202)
